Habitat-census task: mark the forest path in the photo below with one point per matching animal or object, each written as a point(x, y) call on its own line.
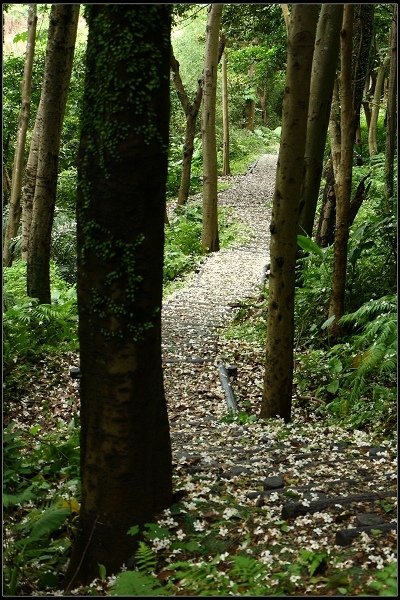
point(329, 486)
point(192, 316)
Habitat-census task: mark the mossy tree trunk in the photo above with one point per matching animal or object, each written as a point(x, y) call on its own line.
point(210, 238)
point(324, 66)
point(14, 210)
point(58, 66)
point(126, 467)
point(391, 116)
point(278, 377)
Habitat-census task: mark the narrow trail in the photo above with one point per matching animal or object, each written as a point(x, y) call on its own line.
point(332, 485)
point(191, 316)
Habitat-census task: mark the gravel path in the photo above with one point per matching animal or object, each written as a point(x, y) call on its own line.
point(192, 315)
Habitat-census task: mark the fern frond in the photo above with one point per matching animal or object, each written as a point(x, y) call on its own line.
point(145, 558)
point(370, 310)
point(135, 583)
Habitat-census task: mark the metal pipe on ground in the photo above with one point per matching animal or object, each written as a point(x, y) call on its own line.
point(226, 384)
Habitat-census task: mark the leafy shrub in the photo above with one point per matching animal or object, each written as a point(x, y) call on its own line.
point(63, 246)
point(367, 391)
point(30, 327)
point(38, 466)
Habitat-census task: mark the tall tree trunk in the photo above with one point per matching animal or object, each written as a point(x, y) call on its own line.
point(325, 235)
point(209, 238)
point(191, 110)
point(263, 105)
point(226, 169)
point(58, 66)
point(29, 184)
point(376, 103)
point(126, 470)
point(325, 61)
point(278, 377)
point(286, 16)
point(391, 114)
point(14, 211)
point(343, 177)
point(363, 34)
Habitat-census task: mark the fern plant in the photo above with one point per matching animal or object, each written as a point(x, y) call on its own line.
point(366, 387)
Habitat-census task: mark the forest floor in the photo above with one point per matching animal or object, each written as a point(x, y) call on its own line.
point(311, 507)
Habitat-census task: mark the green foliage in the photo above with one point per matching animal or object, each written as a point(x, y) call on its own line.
point(38, 466)
point(30, 327)
point(385, 583)
point(183, 251)
point(136, 583)
point(63, 246)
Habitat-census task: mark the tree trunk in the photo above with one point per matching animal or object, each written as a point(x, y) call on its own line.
point(343, 176)
point(226, 169)
point(58, 66)
point(376, 102)
point(126, 471)
point(191, 110)
point(14, 211)
point(209, 238)
point(263, 105)
point(325, 235)
point(363, 33)
point(325, 61)
point(391, 114)
point(286, 16)
point(278, 377)
point(28, 188)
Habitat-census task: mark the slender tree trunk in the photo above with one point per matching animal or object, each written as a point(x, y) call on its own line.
point(210, 240)
point(58, 67)
point(278, 377)
point(325, 235)
point(325, 61)
point(286, 16)
point(391, 113)
point(14, 214)
point(226, 169)
point(366, 101)
point(363, 33)
point(376, 103)
point(263, 104)
point(126, 471)
point(191, 110)
point(344, 176)
point(28, 188)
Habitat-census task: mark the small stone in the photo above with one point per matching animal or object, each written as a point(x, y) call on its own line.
point(273, 483)
point(260, 501)
point(365, 519)
point(252, 495)
point(239, 470)
point(374, 451)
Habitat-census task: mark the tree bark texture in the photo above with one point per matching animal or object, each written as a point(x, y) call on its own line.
point(29, 183)
point(58, 66)
point(343, 177)
point(14, 211)
point(363, 34)
point(209, 238)
point(278, 377)
point(226, 169)
point(122, 171)
point(391, 116)
point(326, 54)
point(325, 235)
point(286, 16)
point(376, 104)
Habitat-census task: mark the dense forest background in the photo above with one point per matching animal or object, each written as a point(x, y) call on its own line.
point(344, 247)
